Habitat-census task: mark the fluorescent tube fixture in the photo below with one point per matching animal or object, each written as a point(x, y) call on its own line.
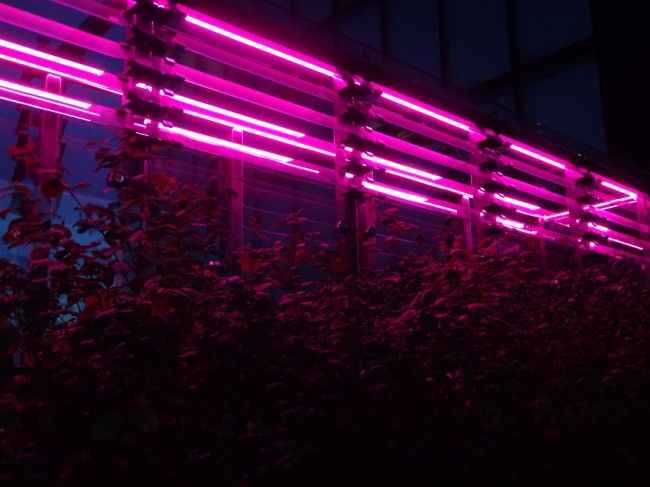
point(598, 227)
point(537, 156)
point(237, 147)
point(59, 73)
point(403, 195)
point(43, 95)
point(259, 46)
point(619, 189)
point(625, 243)
point(228, 113)
point(515, 202)
point(257, 132)
point(428, 183)
point(47, 109)
point(513, 224)
point(394, 165)
point(425, 111)
point(49, 57)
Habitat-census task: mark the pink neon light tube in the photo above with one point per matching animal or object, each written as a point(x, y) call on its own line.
point(394, 165)
point(59, 73)
point(228, 113)
point(49, 57)
point(258, 132)
point(259, 46)
point(425, 111)
point(515, 202)
point(606, 203)
point(619, 189)
point(428, 183)
point(47, 109)
point(598, 227)
point(26, 90)
point(537, 156)
point(625, 243)
point(514, 224)
point(403, 195)
point(237, 147)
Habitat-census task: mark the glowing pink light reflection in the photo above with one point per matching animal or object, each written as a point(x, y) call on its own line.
point(607, 203)
point(394, 165)
point(515, 202)
point(26, 90)
point(537, 156)
point(237, 147)
point(515, 225)
point(236, 116)
point(59, 73)
point(49, 57)
point(598, 227)
point(259, 46)
point(403, 195)
point(257, 132)
point(619, 189)
point(625, 243)
point(428, 183)
point(46, 109)
point(425, 111)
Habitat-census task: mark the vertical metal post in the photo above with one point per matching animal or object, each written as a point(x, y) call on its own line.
point(543, 251)
point(642, 215)
point(236, 207)
point(572, 193)
point(49, 143)
point(346, 209)
point(368, 259)
point(476, 157)
point(467, 224)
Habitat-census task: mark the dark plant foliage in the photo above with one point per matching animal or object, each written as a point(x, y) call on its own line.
point(138, 360)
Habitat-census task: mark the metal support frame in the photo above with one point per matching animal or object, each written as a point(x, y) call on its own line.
point(404, 112)
point(48, 143)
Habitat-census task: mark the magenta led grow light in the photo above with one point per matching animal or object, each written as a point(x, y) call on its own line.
point(396, 193)
point(429, 183)
point(625, 243)
point(237, 147)
point(515, 202)
point(394, 165)
point(515, 225)
point(260, 46)
point(619, 189)
point(46, 109)
point(43, 95)
point(49, 57)
point(598, 227)
point(425, 111)
point(59, 73)
point(537, 156)
point(257, 132)
point(228, 113)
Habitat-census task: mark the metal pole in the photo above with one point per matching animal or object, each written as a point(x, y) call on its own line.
point(236, 183)
point(49, 144)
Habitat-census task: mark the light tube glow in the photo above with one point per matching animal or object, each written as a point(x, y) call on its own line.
point(402, 195)
point(619, 189)
point(425, 111)
point(617, 205)
point(625, 243)
point(258, 132)
point(261, 47)
point(237, 147)
point(515, 202)
point(564, 213)
point(394, 165)
point(606, 203)
point(537, 156)
point(516, 225)
point(26, 90)
point(49, 57)
point(236, 116)
point(46, 109)
point(598, 227)
point(428, 183)
point(59, 73)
